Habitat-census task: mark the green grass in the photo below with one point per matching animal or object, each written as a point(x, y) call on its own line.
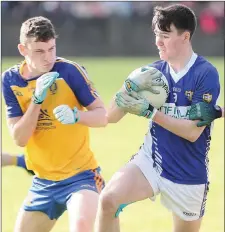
point(113, 147)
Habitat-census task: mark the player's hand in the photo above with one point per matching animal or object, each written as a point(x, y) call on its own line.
point(204, 112)
point(66, 115)
point(42, 85)
point(145, 79)
point(135, 104)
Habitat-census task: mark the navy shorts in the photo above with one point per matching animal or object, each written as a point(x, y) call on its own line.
point(51, 197)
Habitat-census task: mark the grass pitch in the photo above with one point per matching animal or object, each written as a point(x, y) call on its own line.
point(113, 147)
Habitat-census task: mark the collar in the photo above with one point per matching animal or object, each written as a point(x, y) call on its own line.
point(177, 76)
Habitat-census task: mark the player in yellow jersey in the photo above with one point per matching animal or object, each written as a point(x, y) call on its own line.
point(42, 94)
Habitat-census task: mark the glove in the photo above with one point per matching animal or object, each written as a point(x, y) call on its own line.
point(42, 85)
point(204, 112)
point(144, 79)
point(135, 104)
point(66, 115)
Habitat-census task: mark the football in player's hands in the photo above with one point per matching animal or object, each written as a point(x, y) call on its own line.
point(150, 83)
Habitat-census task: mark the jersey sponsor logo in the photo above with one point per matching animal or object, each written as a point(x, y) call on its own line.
point(207, 97)
point(44, 115)
point(45, 121)
point(175, 111)
point(189, 95)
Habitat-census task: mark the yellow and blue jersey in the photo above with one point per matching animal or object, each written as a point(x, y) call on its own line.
point(54, 151)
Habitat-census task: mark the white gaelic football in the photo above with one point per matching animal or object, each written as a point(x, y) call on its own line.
point(156, 100)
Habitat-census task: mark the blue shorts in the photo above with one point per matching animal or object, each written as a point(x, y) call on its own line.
point(51, 197)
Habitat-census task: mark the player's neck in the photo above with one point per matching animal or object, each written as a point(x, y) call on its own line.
point(181, 60)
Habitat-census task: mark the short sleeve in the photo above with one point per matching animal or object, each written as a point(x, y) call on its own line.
point(13, 108)
point(208, 87)
point(81, 85)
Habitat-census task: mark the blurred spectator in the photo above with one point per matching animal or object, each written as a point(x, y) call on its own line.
point(210, 14)
point(104, 9)
point(92, 28)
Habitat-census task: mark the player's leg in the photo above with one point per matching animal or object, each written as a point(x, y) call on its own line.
point(126, 186)
point(33, 221)
point(82, 194)
point(181, 225)
point(40, 209)
point(187, 203)
point(82, 208)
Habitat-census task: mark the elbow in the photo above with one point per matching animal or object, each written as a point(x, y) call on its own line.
point(20, 143)
point(104, 121)
point(18, 140)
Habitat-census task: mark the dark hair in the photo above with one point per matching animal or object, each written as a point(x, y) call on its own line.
point(39, 28)
point(182, 17)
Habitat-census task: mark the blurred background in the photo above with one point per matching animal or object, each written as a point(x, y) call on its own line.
point(111, 39)
point(109, 28)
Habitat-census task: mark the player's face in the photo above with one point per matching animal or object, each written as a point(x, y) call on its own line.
point(40, 56)
point(170, 44)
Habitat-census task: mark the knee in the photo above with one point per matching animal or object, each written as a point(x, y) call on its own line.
point(81, 225)
point(108, 202)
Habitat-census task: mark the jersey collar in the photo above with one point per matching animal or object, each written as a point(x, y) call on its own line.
point(177, 76)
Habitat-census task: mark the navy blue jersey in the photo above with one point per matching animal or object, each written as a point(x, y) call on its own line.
point(175, 158)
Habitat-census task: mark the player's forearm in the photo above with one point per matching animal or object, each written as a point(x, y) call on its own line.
point(8, 159)
point(114, 113)
point(93, 118)
point(186, 129)
point(25, 127)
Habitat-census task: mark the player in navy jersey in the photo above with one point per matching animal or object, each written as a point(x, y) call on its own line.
point(173, 159)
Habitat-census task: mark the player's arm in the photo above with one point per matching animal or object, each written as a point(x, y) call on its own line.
point(140, 79)
point(136, 104)
point(8, 159)
point(21, 128)
point(22, 125)
point(15, 160)
point(114, 113)
point(207, 89)
point(95, 116)
point(184, 128)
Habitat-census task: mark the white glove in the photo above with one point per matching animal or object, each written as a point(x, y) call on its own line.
point(66, 115)
point(135, 104)
point(144, 79)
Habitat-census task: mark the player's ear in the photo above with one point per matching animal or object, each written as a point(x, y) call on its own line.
point(186, 36)
point(22, 49)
